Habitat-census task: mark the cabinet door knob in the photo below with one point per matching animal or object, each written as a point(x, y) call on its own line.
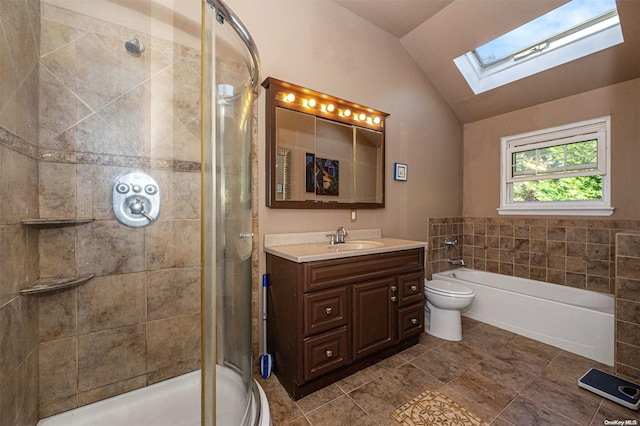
point(414, 287)
point(414, 321)
point(328, 311)
point(394, 288)
point(393, 298)
point(329, 354)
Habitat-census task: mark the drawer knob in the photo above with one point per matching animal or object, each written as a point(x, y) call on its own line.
point(414, 321)
point(393, 298)
point(394, 288)
point(328, 311)
point(414, 287)
point(329, 354)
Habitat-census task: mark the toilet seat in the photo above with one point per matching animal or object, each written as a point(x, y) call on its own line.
point(447, 288)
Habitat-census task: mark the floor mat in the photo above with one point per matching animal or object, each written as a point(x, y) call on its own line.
point(434, 408)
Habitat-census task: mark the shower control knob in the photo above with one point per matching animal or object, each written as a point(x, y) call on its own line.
point(137, 207)
point(136, 199)
point(122, 188)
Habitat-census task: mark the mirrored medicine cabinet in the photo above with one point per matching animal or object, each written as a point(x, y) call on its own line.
point(322, 151)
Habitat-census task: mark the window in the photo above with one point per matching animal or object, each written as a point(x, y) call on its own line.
point(557, 171)
point(573, 30)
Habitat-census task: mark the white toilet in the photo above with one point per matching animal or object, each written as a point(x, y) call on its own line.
point(445, 301)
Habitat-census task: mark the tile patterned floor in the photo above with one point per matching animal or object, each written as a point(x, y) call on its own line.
point(503, 378)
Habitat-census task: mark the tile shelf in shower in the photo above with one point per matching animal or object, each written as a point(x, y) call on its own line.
point(47, 285)
point(56, 221)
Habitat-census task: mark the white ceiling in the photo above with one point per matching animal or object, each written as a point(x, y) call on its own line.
point(434, 32)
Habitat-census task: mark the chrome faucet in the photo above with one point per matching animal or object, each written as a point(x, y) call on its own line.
point(340, 234)
point(338, 237)
point(459, 262)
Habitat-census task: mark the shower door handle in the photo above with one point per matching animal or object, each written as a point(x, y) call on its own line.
point(244, 237)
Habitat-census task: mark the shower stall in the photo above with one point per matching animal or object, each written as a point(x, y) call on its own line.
point(127, 138)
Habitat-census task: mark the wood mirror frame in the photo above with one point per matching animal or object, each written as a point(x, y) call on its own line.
point(334, 155)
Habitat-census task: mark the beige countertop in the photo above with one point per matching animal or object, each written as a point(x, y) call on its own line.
point(313, 246)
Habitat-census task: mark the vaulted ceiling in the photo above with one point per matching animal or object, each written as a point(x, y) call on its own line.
point(434, 32)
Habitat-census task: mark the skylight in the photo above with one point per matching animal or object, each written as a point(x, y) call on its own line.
point(573, 30)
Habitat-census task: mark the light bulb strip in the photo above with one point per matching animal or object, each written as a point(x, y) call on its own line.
point(311, 102)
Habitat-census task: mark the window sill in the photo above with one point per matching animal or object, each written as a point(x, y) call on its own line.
point(556, 211)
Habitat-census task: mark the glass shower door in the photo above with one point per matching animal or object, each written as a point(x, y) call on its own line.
point(227, 220)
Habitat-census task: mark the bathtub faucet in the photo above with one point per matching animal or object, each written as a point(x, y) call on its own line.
point(456, 262)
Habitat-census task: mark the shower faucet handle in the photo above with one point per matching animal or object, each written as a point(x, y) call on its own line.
point(137, 207)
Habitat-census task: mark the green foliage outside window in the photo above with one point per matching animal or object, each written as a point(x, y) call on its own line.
point(565, 189)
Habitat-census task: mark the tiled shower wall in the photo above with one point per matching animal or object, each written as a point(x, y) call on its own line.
point(19, 37)
point(628, 304)
point(104, 112)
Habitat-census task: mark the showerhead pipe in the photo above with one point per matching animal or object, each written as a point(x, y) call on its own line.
point(227, 14)
point(134, 46)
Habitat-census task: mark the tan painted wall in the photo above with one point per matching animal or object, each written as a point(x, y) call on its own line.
point(481, 171)
point(321, 45)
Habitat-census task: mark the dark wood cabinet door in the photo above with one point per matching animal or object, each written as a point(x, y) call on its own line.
point(373, 316)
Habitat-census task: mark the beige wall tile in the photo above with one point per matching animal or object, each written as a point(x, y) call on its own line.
point(108, 247)
point(111, 302)
point(173, 244)
point(18, 177)
point(18, 328)
point(13, 246)
point(173, 341)
point(58, 374)
point(57, 252)
point(57, 184)
point(111, 356)
point(57, 315)
point(173, 292)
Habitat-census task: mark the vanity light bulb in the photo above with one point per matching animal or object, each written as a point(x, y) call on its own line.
point(312, 103)
point(362, 117)
point(347, 113)
point(290, 97)
point(330, 107)
point(376, 120)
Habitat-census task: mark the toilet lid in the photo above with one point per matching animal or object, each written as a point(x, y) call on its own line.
point(441, 286)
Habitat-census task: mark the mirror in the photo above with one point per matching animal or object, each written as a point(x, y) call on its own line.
point(322, 151)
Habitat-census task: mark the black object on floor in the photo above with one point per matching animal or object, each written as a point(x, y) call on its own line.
point(611, 387)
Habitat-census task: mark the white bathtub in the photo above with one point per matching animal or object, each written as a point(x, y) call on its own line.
point(578, 321)
point(173, 402)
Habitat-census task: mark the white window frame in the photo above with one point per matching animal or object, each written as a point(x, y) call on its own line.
point(600, 36)
point(598, 128)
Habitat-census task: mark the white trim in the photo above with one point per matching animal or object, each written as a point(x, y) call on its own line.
point(591, 40)
point(577, 208)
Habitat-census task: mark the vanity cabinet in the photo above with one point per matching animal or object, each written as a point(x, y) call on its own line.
point(330, 318)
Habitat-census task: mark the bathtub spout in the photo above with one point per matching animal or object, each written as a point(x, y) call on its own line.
point(456, 262)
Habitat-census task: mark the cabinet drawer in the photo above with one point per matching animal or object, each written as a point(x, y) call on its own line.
point(410, 321)
point(411, 288)
point(331, 273)
point(325, 353)
point(324, 310)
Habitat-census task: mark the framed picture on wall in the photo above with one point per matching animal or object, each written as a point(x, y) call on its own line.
point(400, 171)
